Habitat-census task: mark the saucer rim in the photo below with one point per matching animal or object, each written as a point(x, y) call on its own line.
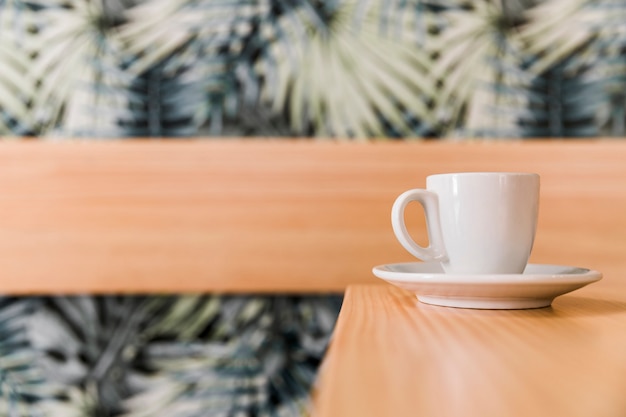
point(491, 292)
point(576, 275)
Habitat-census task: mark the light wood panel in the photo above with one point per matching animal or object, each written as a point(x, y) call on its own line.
point(393, 356)
point(269, 215)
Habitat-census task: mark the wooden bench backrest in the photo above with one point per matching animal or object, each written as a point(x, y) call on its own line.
point(270, 216)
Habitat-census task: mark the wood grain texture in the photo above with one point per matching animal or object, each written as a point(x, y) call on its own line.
point(269, 215)
point(393, 356)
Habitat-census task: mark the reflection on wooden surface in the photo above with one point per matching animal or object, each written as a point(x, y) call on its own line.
point(394, 356)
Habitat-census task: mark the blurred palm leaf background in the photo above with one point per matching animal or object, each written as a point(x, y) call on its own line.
point(350, 69)
point(176, 355)
point(344, 69)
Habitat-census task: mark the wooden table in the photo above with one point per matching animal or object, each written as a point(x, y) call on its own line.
point(394, 356)
point(267, 216)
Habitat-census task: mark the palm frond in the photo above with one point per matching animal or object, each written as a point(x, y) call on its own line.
point(192, 64)
point(253, 356)
point(584, 49)
point(85, 345)
point(336, 68)
point(81, 82)
point(16, 88)
point(481, 66)
point(342, 71)
point(162, 103)
point(154, 355)
point(23, 391)
point(157, 29)
point(556, 29)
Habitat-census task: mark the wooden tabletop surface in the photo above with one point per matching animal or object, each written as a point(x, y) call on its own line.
point(394, 356)
point(269, 216)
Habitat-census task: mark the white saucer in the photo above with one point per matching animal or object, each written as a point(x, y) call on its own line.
point(535, 288)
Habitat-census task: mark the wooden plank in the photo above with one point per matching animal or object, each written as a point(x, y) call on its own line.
point(269, 215)
point(393, 356)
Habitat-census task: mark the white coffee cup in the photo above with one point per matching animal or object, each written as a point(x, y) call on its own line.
point(477, 222)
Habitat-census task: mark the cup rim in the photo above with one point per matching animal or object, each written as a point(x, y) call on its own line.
point(485, 174)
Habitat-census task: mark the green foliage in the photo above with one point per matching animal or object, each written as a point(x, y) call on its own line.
point(16, 87)
point(24, 390)
point(333, 68)
point(348, 71)
point(481, 69)
point(161, 355)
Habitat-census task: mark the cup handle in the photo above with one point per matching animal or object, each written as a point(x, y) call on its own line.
point(430, 201)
